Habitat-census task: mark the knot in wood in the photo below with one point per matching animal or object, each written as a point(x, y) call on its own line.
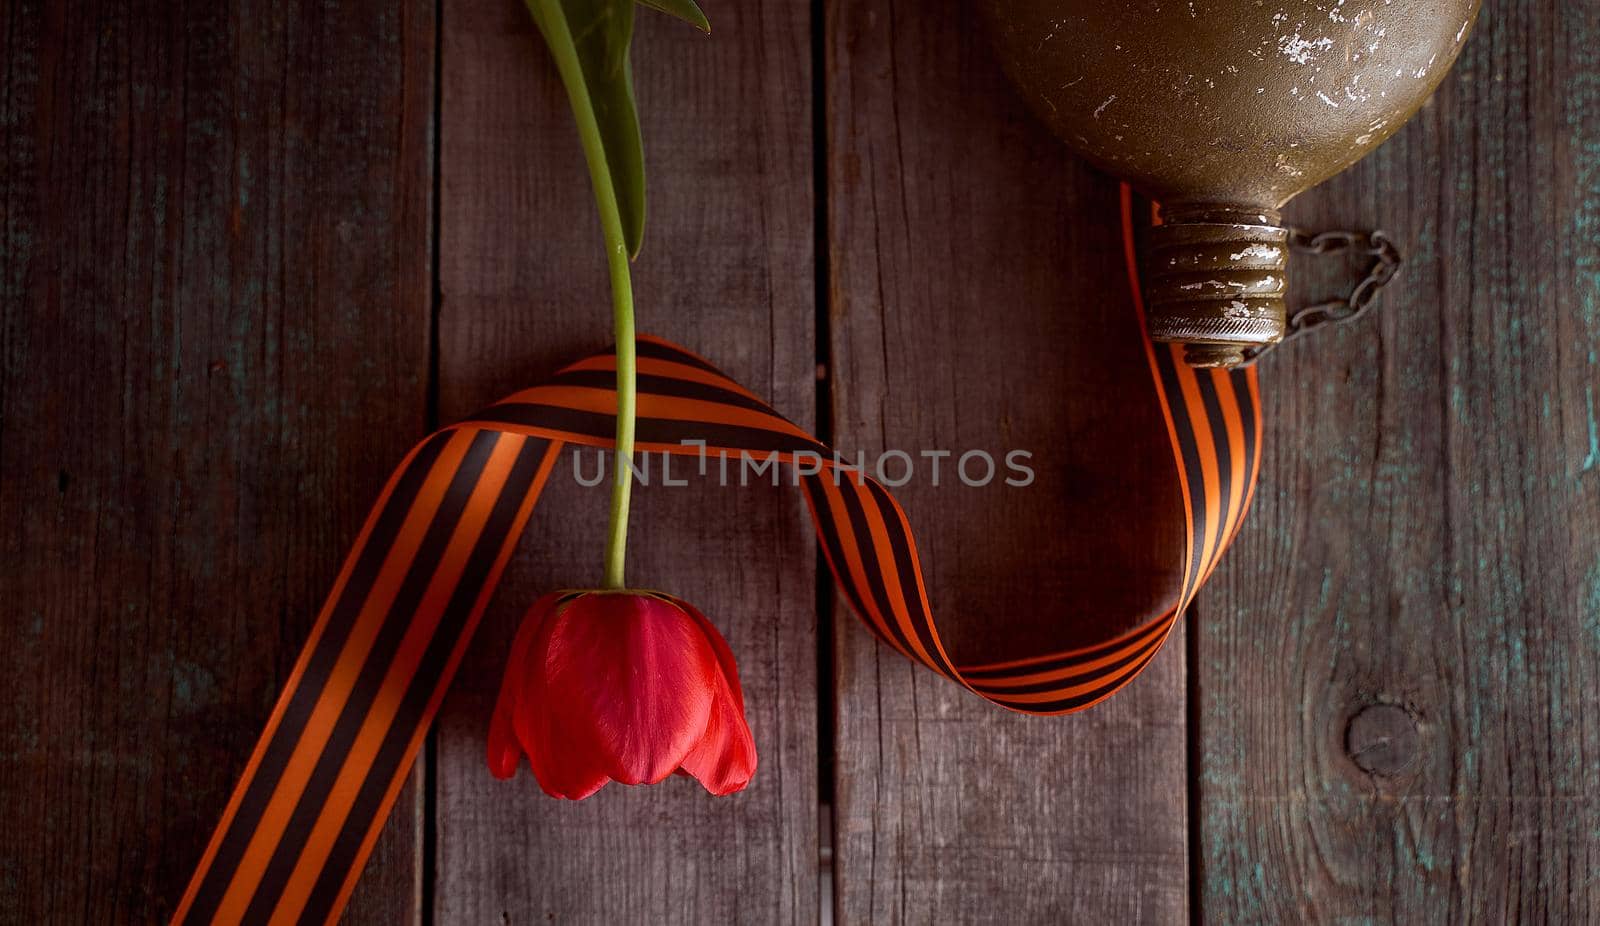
point(1383, 740)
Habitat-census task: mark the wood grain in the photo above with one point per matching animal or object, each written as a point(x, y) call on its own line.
point(978, 302)
point(1399, 661)
point(213, 348)
point(726, 270)
point(215, 344)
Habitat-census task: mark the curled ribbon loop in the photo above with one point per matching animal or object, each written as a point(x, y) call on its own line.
point(347, 727)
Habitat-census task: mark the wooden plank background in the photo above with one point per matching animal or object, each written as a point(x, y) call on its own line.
point(207, 208)
point(1399, 661)
point(726, 268)
point(249, 253)
point(950, 209)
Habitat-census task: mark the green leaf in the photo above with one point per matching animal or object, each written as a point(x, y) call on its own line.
point(589, 40)
point(594, 35)
point(683, 9)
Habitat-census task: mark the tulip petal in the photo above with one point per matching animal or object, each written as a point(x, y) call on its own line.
point(623, 686)
point(504, 748)
point(725, 760)
point(630, 681)
point(730, 668)
point(564, 764)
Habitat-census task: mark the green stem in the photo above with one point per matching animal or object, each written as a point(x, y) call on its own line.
point(627, 398)
point(605, 195)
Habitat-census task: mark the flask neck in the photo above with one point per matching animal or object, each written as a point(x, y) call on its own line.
point(1214, 279)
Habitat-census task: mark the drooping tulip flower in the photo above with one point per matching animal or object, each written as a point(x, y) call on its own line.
point(617, 685)
point(620, 686)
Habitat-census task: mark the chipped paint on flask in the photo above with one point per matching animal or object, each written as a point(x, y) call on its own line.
point(1224, 110)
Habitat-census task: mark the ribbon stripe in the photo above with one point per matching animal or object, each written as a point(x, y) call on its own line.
point(897, 547)
point(656, 384)
point(341, 741)
point(416, 549)
point(656, 349)
point(1087, 658)
point(1072, 679)
point(833, 551)
point(653, 434)
point(366, 687)
point(273, 752)
point(370, 808)
point(871, 557)
point(1190, 470)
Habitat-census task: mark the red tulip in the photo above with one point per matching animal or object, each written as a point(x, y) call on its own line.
point(620, 686)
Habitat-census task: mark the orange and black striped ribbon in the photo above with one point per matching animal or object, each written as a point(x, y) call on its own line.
point(349, 723)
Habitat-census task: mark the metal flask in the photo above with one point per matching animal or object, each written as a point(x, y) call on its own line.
point(1222, 111)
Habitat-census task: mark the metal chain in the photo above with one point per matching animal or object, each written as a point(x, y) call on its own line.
point(1385, 264)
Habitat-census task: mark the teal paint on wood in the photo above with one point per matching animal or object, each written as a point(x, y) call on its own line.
point(1425, 533)
point(213, 349)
